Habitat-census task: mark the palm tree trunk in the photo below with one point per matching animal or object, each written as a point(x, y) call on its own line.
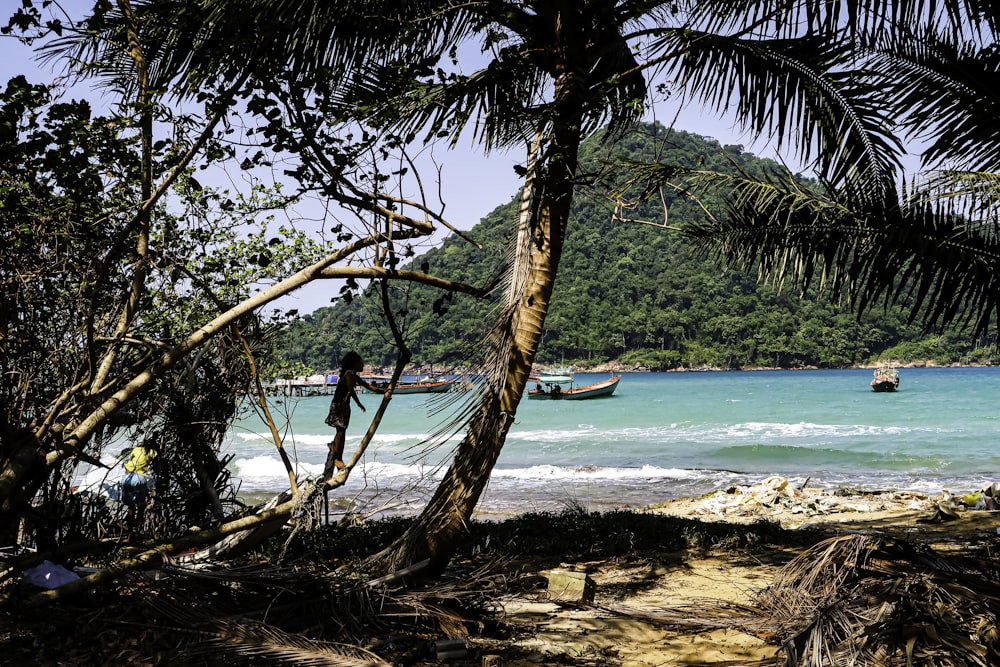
point(439, 529)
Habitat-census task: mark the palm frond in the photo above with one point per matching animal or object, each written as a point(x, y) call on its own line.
point(498, 342)
point(862, 600)
point(861, 597)
point(972, 197)
point(489, 357)
point(290, 614)
point(500, 103)
point(945, 93)
point(266, 644)
point(778, 18)
point(865, 20)
point(800, 91)
point(192, 42)
point(617, 85)
point(908, 250)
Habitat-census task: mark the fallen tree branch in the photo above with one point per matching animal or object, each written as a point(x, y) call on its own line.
point(154, 557)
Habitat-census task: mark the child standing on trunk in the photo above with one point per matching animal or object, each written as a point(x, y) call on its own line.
point(339, 416)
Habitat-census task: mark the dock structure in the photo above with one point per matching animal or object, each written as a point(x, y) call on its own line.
point(325, 384)
point(311, 385)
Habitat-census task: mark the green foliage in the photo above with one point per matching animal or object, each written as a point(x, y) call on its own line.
point(628, 292)
point(942, 350)
point(339, 542)
point(547, 536)
point(94, 292)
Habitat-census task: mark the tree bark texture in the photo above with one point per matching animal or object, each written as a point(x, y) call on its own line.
point(439, 529)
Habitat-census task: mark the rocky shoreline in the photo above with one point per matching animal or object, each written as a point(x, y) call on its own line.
point(616, 367)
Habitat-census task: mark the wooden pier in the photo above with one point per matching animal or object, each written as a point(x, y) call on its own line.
point(312, 385)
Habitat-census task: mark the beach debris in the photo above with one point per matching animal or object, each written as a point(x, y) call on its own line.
point(948, 507)
point(49, 575)
point(985, 499)
point(776, 495)
point(450, 649)
point(570, 586)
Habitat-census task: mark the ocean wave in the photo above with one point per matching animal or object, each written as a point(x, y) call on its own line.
point(594, 488)
point(265, 472)
point(874, 456)
point(688, 431)
point(782, 431)
point(591, 472)
point(245, 438)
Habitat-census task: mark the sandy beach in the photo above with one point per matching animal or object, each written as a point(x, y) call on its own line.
point(613, 629)
point(637, 606)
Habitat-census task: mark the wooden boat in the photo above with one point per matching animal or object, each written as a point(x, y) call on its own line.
point(553, 390)
point(886, 379)
point(423, 386)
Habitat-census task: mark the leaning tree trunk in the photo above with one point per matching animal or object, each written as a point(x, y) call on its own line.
point(438, 530)
point(26, 461)
point(22, 473)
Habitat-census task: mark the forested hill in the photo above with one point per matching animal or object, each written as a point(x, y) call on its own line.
point(626, 292)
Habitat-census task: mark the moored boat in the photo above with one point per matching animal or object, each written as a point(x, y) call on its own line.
point(886, 378)
point(422, 386)
point(425, 386)
point(553, 390)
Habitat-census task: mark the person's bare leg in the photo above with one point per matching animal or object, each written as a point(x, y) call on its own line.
point(334, 460)
point(338, 448)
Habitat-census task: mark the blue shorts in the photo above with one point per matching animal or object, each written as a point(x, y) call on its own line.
point(135, 489)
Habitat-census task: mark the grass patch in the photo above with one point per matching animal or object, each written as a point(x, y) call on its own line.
point(545, 537)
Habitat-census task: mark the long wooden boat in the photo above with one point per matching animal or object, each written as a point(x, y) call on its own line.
point(425, 387)
point(419, 386)
point(886, 379)
point(553, 391)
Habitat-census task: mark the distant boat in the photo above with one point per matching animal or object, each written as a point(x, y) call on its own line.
point(553, 390)
point(886, 379)
point(423, 386)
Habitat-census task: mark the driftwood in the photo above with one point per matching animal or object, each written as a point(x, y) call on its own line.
point(399, 575)
point(242, 542)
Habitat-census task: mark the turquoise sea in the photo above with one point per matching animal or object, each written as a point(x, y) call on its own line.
point(662, 436)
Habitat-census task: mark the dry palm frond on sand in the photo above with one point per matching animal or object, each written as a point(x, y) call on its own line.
point(863, 600)
point(262, 614)
point(868, 600)
point(350, 612)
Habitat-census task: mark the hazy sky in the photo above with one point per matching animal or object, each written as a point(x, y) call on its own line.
point(472, 184)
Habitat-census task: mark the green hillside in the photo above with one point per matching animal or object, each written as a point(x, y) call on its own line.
point(626, 292)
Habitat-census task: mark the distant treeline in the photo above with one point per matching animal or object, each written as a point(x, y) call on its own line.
point(626, 292)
